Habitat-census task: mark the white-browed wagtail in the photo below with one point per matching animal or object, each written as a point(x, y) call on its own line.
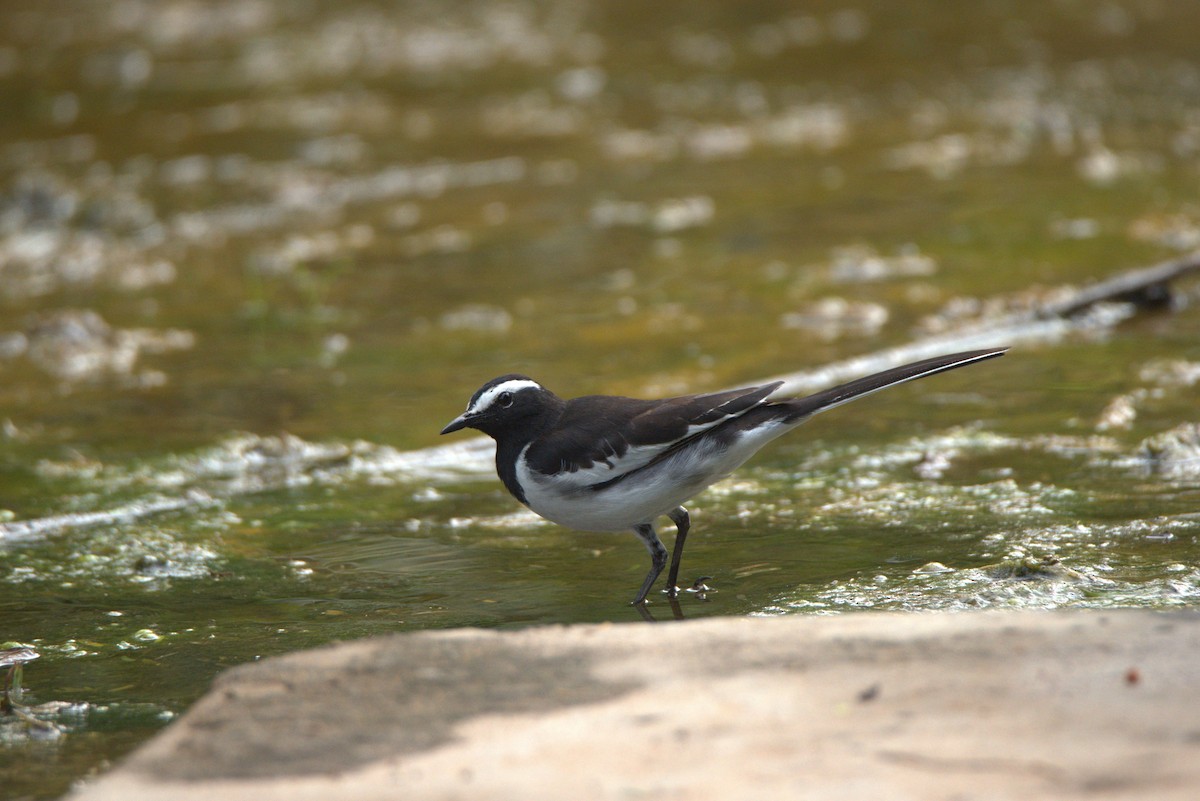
point(605, 463)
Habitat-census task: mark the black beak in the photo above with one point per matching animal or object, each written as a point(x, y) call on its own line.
point(457, 424)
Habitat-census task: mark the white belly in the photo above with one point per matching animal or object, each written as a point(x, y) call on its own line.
point(643, 496)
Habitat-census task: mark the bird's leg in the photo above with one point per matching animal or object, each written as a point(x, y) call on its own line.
point(679, 516)
point(658, 559)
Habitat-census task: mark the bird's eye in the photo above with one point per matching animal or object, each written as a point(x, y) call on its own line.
point(504, 399)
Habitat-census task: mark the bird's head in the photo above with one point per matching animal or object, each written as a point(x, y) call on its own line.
point(505, 404)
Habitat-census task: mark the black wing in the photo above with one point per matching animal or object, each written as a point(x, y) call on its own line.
point(606, 437)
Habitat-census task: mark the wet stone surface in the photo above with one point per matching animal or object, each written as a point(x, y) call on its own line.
point(1041, 705)
point(373, 702)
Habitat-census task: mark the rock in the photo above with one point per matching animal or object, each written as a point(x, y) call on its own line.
point(1175, 453)
point(1028, 568)
point(1031, 705)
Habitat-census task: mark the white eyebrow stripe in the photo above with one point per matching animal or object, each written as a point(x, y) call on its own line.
point(513, 385)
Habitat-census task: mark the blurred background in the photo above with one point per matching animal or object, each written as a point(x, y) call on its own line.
point(254, 254)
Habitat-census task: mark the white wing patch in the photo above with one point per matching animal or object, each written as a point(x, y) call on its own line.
point(611, 466)
point(487, 398)
point(606, 469)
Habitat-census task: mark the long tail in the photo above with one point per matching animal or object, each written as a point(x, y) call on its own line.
point(852, 390)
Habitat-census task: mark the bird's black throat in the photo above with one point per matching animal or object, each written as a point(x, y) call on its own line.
point(512, 435)
point(508, 450)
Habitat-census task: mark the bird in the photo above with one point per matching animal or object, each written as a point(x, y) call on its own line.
point(611, 463)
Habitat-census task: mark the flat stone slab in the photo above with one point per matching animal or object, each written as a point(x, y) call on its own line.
point(984, 705)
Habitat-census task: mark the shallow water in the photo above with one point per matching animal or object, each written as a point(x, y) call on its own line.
point(253, 255)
